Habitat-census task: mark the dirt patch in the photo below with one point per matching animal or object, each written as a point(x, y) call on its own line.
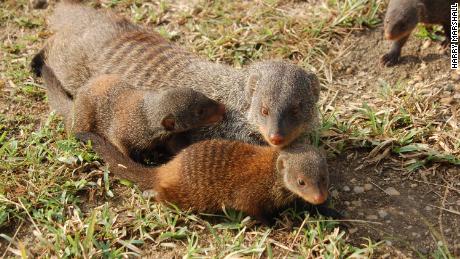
point(413, 218)
point(425, 211)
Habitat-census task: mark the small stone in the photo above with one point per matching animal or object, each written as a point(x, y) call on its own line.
point(413, 185)
point(335, 194)
point(423, 250)
point(352, 230)
point(357, 203)
point(423, 66)
point(426, 44)
point(349, 71)
point(455, 76)
point(392, 191)
point(347, 203)
point(372, 217)
point(383, 214)
point(149, 193)
point(428, 208)
point(358, 189)
point(346, 188)
point(418, 78)
point(388, 243)
point(368, 187)
point(447, 100)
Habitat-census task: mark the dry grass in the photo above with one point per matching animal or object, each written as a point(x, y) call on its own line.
point(56, 199)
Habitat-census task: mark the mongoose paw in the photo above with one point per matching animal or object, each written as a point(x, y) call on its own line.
point(390, 59)
point(87, 136)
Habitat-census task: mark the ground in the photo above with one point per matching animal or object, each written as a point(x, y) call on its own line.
point(392, 135)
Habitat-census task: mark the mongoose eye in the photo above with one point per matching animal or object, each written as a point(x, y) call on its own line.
point(264, 111)
point(200, 112)
point(300, 182)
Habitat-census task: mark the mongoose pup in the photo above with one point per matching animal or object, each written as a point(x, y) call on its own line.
point(134, 120)
point(402, 17)
point(268, 101)
point(258, 180)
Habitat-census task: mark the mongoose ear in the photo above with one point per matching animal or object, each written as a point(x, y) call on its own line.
point(421, 9)
point(169, 123)
point(280, 163)
point(251, 85)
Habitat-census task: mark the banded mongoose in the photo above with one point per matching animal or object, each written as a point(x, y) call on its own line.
point(134, 120)
point(268, 101)
point(402, 17)
point(257, 180)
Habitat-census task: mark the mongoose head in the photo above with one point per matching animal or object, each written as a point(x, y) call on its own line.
point(305, 173)
point(187, 109)
point(402, 17)
point(282, 100)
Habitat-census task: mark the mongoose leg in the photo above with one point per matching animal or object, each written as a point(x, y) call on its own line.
point(83, 116)
point(392, 57)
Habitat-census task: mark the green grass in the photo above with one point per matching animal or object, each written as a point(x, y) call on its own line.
point(57, 200)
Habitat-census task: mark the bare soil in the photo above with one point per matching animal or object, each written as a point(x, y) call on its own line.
point(426, 209)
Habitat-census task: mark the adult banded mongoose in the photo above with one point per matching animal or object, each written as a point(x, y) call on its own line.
point(268, 101)
point(258, 180)
point(134, 120)
point(402, 17)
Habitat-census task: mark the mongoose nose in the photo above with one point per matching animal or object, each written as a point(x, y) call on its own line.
point(276, 139)
point(319, 198)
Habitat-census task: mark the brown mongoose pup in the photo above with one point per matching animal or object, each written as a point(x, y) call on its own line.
point(257, 180)
point(268, 101)
point(402, 17)
point(134, 120)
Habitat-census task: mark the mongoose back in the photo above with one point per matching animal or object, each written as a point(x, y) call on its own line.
point(134, 120)
point(268, 101)
point(258, 180)
point(402, 17)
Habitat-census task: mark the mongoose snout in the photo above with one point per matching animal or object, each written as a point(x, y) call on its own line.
point(307, 173)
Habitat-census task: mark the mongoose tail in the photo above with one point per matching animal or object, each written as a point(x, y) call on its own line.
point(37, 63)
point(119, 164)
point(58, 99)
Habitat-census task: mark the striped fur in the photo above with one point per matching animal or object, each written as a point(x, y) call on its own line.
point(92, 43)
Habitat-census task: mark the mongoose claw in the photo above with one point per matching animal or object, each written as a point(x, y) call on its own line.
point(389, 59)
